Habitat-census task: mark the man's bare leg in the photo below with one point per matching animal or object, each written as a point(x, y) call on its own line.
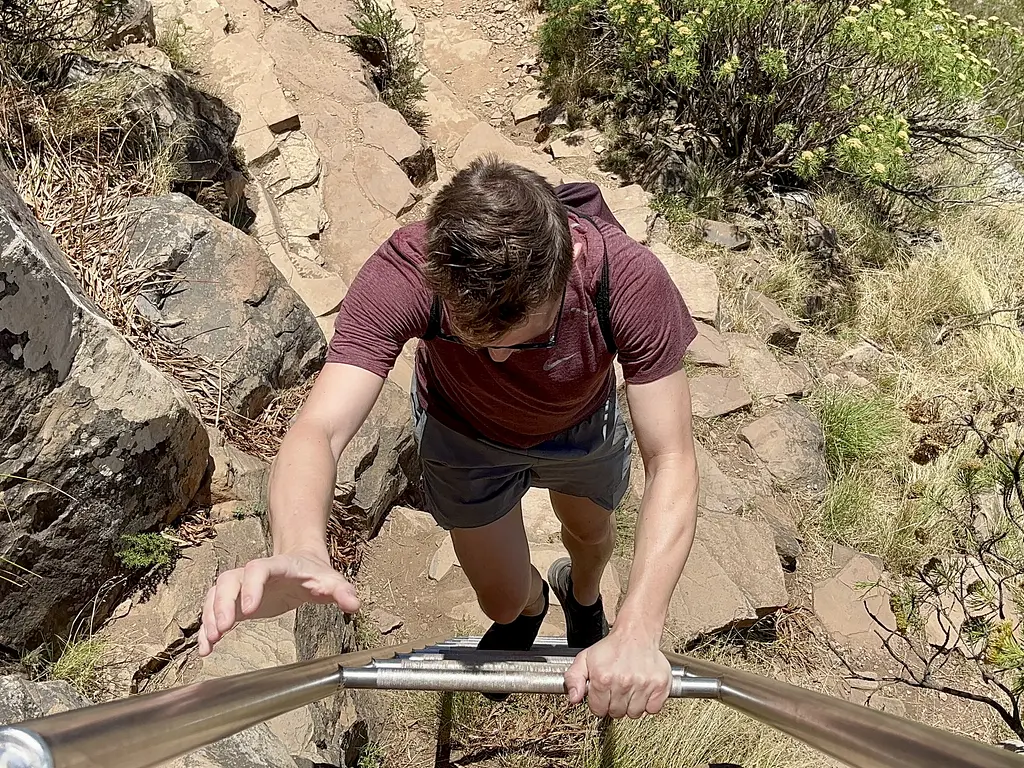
point(588, 533)
point(496, 560)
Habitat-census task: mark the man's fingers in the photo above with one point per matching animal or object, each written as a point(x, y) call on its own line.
point(618, 698)
point(228, 586)
point(638, 703)
point(599, 692)
point(254, 579)
point(657, 700)
point(345, 596)
point(576, 678)
point(208, 633)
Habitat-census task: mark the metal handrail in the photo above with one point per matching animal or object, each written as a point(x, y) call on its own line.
point(144, 731)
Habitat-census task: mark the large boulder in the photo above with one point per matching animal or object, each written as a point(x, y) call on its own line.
point(96, 441)
point(223, 300)
point(381, 466)
point(164, 110)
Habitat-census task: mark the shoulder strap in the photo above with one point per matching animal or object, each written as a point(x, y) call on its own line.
point(603, 299)
point(603, 304)
point(434, 324)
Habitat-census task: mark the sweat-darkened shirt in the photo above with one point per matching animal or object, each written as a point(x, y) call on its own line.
point(535, 394)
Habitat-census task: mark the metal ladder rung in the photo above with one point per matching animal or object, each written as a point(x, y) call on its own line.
point(457, 665)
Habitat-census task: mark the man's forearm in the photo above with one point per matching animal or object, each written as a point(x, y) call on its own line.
point(664, 535)
point(301, 492)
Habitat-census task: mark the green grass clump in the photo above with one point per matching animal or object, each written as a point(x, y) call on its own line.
point(145, 550)
point(856, 426)
point(388, 48)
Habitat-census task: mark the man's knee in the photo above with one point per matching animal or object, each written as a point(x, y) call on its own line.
point(504, 606)
point(593, 532)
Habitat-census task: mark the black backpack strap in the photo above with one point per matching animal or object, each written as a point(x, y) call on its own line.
point(434, 324)
point(603, 303)
point(603, 299)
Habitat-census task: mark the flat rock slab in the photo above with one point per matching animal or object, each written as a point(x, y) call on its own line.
point(709, 348)
point(713, 396)
point(696, 281)
point(449, 121)
point(330, 16)
point(383, 182)
point(384, 128)
point(724, 234)
point(483, 139)
point(717, 493)
point(631, 205)
point(731, 579)
point(572, 145)
point(245, 70)
point(530, 106)
point(790, 443)
point(763, 374)
point(328, 69)
point(845, 603)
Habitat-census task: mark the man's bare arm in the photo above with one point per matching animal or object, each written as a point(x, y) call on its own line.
point(304, 473)
point(665, 527)
point(302, 483)
point(626, 673)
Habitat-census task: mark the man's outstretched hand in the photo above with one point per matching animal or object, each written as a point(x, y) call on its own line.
point(620, 676)
point(269, 587)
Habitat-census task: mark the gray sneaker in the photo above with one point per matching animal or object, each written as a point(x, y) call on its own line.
point(584, 624)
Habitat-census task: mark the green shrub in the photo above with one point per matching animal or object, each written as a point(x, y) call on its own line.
point(145, 550)
point(778, 89)
point(856, 426)
point(388, 49)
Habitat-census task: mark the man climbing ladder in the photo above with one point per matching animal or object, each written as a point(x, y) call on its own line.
point(521, 295)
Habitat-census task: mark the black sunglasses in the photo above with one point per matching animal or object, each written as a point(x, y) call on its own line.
point(549, 344)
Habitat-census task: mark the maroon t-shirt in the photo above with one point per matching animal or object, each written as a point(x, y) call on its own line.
point(535, 394)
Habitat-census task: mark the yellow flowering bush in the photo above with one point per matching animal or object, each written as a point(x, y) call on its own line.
point(769, 88)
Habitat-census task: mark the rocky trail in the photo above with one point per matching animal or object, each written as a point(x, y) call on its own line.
point(333, 172)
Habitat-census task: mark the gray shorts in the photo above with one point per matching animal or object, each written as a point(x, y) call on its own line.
point(469, 482)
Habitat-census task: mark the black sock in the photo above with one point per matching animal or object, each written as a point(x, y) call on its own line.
point(517, 635)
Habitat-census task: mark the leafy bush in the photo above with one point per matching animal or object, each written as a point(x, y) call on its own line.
point(780, 89)
point(388, 49)
point(145, 550)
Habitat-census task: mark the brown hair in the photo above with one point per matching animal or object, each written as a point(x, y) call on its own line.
point(499, 247)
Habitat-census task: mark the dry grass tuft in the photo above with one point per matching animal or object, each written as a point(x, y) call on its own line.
point(694, 734)
point(80, 664)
